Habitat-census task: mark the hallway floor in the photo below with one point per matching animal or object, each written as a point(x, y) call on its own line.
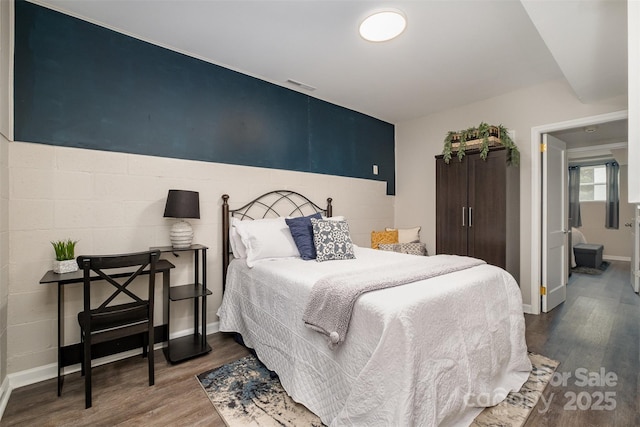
point(595, 334)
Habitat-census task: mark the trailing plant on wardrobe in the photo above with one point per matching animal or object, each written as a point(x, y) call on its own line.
point(483, 132)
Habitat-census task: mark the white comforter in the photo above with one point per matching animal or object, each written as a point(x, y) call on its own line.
point(427, 353)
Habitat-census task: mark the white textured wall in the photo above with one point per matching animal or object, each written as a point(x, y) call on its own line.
point(419, 140)
point(617, 243)
point(4, 252)
point(113, 203)
point(6, 132)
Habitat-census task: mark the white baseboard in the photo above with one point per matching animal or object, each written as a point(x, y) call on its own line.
point(528, 309)
point(616, 258)
point(47, 372)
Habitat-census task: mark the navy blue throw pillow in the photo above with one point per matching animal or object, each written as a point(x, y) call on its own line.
point(302, 232)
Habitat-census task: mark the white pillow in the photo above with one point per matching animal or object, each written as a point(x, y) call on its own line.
point(407, 235)
point(266, 238)
point(237, 247)
point(333, 218)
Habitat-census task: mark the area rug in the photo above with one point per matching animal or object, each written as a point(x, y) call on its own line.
point(246, 393)
point(588, 270)
point(514, 410)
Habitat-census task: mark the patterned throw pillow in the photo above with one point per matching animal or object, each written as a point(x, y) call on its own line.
point(391, 247)
point(332, 240)
point(383, 237)
point(406, 248)
point(413, 248)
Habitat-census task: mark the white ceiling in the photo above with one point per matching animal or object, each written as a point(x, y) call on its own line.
point(610, 133)
point(452, 53)
point(600, 142)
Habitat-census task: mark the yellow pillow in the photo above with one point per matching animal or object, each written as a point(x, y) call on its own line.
point(378, 237)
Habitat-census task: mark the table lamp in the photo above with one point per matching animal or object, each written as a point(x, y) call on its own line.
point(182, 204)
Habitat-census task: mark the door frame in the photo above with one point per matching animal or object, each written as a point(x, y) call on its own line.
point(536, 194)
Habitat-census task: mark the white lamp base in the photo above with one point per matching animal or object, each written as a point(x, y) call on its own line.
point(181, 235)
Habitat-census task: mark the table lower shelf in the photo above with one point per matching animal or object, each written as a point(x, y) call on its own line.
point(186, 347)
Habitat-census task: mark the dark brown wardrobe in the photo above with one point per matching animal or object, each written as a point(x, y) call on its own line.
point(478, 209)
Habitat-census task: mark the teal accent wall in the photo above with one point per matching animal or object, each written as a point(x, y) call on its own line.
point(81, 85)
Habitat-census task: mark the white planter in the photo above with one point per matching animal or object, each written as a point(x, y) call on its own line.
point(66, 266)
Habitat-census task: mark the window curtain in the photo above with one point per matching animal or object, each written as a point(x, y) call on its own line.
point(613, 199)
point(574, 197)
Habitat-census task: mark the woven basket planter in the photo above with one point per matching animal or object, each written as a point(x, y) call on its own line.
point(493, 140)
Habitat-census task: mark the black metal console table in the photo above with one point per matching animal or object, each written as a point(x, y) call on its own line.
point(192, 345)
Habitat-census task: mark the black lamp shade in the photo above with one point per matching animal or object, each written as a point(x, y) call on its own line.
point(182, 204)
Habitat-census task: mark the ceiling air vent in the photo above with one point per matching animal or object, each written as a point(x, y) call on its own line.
point(301, 85)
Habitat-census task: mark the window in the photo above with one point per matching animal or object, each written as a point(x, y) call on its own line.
point(593, 183)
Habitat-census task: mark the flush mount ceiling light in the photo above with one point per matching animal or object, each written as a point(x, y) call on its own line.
point(383, 26)
point(590, 129)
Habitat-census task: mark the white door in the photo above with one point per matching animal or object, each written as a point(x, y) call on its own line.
point(555, 206)
point(635, 253)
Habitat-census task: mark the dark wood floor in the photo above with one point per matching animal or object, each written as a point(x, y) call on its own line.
point(596, 328)
point(121, 395)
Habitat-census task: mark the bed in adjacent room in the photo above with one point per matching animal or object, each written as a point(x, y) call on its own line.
point(433, 351)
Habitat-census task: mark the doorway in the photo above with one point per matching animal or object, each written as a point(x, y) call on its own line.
point(536, 192)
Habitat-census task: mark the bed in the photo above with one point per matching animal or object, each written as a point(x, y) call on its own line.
point(431, 352)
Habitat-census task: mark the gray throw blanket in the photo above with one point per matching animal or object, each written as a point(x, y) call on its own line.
point(332, 298)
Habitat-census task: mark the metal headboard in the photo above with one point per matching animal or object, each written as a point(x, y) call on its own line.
point(270, 205)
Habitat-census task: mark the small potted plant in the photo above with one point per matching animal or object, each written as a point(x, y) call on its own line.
point(65, 256)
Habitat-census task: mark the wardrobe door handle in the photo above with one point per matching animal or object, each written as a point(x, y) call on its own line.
point(464, 214)
point(470, 216)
